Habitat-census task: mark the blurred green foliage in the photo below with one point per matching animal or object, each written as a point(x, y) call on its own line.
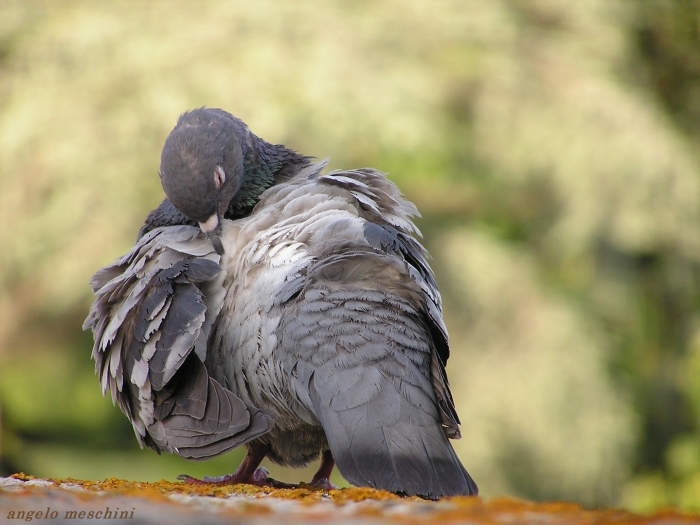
point(550, 145)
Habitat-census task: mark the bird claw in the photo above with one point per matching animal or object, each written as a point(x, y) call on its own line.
point(270, 482)
point(259, 477)
point(323, 484)
point(189, 479)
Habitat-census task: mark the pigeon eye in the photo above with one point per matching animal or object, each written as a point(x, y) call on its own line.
point(219, 177)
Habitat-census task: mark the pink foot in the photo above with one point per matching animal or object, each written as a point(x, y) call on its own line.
point(323, 483)
point(258, 477)
point(322, 478)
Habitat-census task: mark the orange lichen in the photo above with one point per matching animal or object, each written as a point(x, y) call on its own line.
point(361, 502)
point(22, 476)
point(354, 494)
point(163, 488)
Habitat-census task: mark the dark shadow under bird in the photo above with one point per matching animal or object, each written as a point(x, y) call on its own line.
point(267, 305)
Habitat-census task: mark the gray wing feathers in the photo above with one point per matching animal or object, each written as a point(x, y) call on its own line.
point(366, 343)
point(363, 359)
point(202, 419)
point(387, 229)
point(153, 307)
point(377, 196)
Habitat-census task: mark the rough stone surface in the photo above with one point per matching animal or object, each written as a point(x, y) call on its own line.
point(72, 501)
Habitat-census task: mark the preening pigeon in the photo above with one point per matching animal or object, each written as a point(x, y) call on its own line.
point(267, 305)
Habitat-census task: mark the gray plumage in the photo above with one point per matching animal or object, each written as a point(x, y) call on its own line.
point(151, 321)
point(319, 328)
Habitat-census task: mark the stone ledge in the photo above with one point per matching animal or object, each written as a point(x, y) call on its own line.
point(129, 502)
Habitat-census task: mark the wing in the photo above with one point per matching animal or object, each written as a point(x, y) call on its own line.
point(361, 351)
point(388, 229)
point(365, 342)
point(151, 319)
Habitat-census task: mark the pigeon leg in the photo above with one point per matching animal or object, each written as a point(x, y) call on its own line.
point(322, 478)
point(249, 472)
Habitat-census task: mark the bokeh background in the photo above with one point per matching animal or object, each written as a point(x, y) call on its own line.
point(551, 145)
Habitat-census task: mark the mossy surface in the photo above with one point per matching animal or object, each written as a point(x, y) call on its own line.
point(357, 504)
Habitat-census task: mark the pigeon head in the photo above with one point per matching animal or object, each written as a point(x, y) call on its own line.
point(201, 168)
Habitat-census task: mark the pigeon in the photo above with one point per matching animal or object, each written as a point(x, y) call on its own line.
point(268, 305)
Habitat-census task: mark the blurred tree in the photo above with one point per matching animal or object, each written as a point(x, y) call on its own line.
point(658, 344)
point(667, 38)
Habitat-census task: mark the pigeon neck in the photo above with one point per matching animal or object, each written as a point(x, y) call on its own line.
point(264, 165)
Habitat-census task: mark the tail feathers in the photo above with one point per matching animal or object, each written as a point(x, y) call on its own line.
point(403, 458)
point(391, 444)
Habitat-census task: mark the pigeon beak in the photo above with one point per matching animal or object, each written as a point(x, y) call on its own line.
point(212, 229)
